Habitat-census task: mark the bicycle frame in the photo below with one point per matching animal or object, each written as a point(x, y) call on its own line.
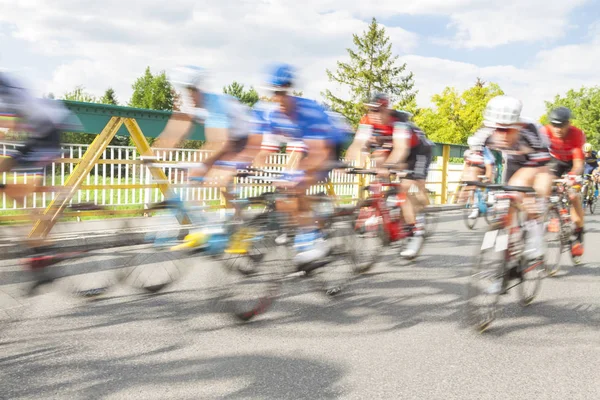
point(394, 229)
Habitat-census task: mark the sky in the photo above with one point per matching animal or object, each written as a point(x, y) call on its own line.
point(534, 49)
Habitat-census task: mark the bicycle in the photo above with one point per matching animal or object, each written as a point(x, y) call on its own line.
point(501, 259)
point(379, 217)
point(479, 202)
point(559, 223)
point(590, 194)
point(331, 273)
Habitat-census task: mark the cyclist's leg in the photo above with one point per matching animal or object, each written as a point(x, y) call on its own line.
point(418, 164)
point(309, 241)
point(539, 178)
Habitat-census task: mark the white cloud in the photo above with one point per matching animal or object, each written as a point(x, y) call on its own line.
point(109, 43)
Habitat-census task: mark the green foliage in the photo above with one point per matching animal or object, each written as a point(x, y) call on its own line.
point(248, 97)
point(79, 94)
point(585, 107)
point(372, 68)
point(153, 92)
point(456, 116)
point(109, 97)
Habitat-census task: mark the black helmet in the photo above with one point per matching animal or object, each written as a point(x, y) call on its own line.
point(379, 100)
point(560, 116)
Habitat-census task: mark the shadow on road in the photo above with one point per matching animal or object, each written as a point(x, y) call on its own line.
point(148, 375)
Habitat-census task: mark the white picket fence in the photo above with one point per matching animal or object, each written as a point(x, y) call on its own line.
point(127, 172)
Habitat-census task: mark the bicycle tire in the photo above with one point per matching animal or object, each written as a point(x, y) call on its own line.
point(342, 266)
point(553, 240)
point(431, 221)
point(368, 259)
point(470, 205)
point(530, 276)
point(265, 272)
point(592, 204)
point(486, 273)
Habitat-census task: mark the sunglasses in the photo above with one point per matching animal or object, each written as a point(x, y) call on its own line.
point(558, 124)
point(502, 130)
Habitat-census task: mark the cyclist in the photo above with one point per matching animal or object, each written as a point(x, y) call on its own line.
point(566, 143)
point(311, 138)
point(43, 121)
point(526, 150)
point(478, 161)
point(396, 141)
point(591, 167)
point(227, 125)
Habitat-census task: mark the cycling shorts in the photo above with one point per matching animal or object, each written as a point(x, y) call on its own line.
point(559, 167)
point(419, 162)
point(36, 153)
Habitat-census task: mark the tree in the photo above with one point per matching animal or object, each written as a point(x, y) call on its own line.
point(153, 92)
point(585, 108)
point(455, 116)
point(372, 68)
point(79, 94)
point(248, 97)
point(109, 97)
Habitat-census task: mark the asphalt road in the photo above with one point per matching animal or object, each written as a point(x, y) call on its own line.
point(396, 333)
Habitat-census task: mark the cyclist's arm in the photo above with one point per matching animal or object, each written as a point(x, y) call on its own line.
point(177, 129)
point(8, 121)
point(359, 144)
point(319, 152)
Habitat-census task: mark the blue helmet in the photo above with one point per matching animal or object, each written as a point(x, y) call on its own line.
point(281, 76)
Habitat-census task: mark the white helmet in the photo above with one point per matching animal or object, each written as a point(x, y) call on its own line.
point(502, 112)
point(189, 76)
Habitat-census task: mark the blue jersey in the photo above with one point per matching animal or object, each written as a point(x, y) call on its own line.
point(311, 122)
point(488, 157)
point(221, 113)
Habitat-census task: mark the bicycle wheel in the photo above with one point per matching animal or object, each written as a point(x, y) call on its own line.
point(486, 282)
point(553, 240)
point(592, 202)
point(531, 280)
point(471, 207)
point(431, 220)
point(253, 270)
point(370, 237)
point(340, 267)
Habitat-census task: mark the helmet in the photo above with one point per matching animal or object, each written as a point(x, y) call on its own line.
point(190, 76)
point(379, 100)
point(281, 77)
point(587, 147)
point(560, 116)
point(502, 112)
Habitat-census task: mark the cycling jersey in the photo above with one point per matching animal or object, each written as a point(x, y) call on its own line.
point(569, 147)
point(41, 116)
point(384, 135)
point(529, 150)
point(591, 163)
point(223, 114)
point(43, 119)
point(310, 122)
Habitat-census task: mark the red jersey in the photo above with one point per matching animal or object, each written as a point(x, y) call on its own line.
point(569, 147)
point(369, 128)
